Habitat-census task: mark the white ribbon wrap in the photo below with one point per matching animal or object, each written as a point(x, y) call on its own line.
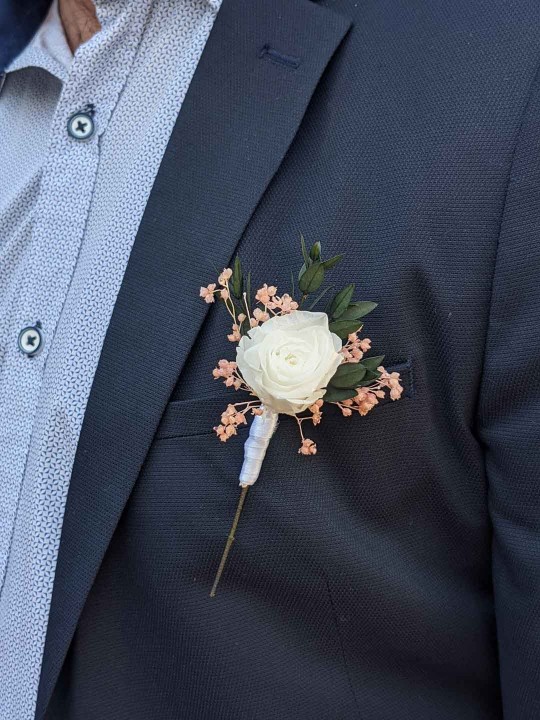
point(260, 433)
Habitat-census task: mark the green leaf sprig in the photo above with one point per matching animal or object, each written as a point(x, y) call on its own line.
point(345, 318)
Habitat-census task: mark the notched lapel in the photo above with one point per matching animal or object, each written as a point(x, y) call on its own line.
point(255, 79)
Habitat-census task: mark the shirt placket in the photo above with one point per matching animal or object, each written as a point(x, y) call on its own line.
point(98, 73)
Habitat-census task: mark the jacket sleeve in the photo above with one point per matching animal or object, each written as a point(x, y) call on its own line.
point(509, 425)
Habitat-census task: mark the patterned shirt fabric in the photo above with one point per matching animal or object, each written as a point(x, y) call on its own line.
point(69, 213)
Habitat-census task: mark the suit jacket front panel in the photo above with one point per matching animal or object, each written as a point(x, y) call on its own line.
point(360, 581)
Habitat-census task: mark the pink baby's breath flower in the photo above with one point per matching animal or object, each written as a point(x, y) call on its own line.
point(224, 294)
point(365, 345)
point(235, 335)
point(316, 413)
point(231, 418)
point(229, 412)
point(365, 400)
point(353, 351)
point(307, 447)
point(225, 369)
point(225, 276)
point(220, 432)
point(265, 294)
point(392, 381)
point(208, 292)
point(260, 316)
point(287, 304)
point(365, 407)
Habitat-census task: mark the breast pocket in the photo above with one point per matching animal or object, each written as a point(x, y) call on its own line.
point(188, 486)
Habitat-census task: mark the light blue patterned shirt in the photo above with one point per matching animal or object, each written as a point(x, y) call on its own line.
point(69, 212)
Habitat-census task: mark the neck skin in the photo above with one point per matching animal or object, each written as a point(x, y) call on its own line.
point(79, 20)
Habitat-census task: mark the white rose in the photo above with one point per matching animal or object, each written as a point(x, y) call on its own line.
point(288, 360)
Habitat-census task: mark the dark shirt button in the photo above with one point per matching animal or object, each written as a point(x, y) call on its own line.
point(81, 125)
point(31, 340)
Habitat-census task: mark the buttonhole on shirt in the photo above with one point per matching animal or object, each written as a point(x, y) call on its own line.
point(269, 53)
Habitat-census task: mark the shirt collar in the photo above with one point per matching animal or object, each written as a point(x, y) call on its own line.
point(48, 49)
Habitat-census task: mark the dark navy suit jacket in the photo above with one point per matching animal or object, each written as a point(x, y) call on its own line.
point(395, 574)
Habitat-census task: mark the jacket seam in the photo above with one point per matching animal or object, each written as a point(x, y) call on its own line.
point(518, 135)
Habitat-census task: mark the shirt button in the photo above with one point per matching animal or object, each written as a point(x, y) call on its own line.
point(81, 125)
point(31, 340)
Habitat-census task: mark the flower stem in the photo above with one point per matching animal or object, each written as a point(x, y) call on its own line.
point(230, 539)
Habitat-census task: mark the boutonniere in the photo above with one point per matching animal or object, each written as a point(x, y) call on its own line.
point(293, 360)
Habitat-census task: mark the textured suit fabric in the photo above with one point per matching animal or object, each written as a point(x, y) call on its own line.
point(396, 573)
point(18, 22)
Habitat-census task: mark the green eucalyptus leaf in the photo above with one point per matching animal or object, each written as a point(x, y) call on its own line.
point(357, 310)
point(312, 278)
point(343, 328)
point(245, 327)
point(369, 377)
point(341, 301)
point(236, 283)
point(348, 375)
point(320, 297)
point(332, 262)
point(305, 254)
point(248, 293)
point(372, 363)
point(333, 394)
point(315, 252)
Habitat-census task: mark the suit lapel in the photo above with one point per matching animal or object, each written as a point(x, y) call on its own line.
point(252, 86)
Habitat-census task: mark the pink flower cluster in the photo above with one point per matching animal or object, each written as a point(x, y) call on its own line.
point(316, 412)
point(354, 349)
point(273, 304)
point(267, 296)
point(367, 397)
point(230, 420)
point(307, 447)
point(228, 371)
point(234, 416)
point(208, 292)
point(391, 380)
